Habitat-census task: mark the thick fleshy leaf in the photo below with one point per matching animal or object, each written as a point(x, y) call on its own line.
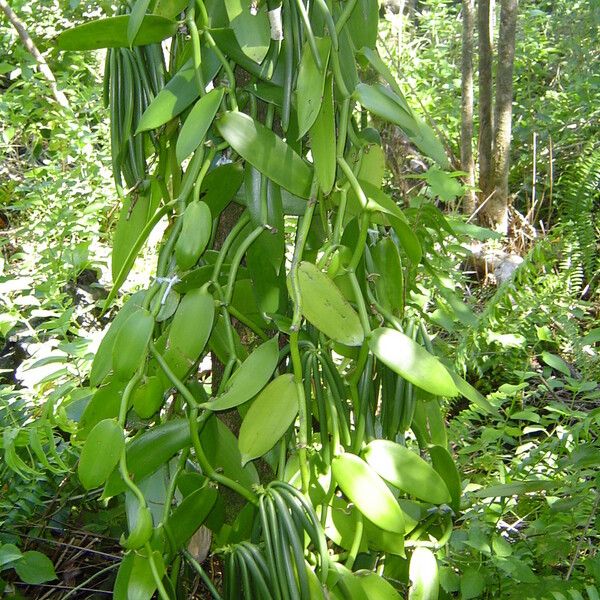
point(220, 186)
point(376, 587)
point(411, 361)
point(136, 17)
point(197, 123)
point(326, 308)
point(250, 378)
point(198, 308)
point(102, 362)
point(35, 568)
point(446, 467)
point(322, 139)
point(131, 343)
point(189, 515)
point(363, 24)
point(101, 453)
point(226, 40)
point(104, 404)
point(407, 471)
point(222, 452)
point(309, 87)
point(170, 8)
point(149, 451)
point(179, 93)
point(134, 216)
point(268, 418)
point(390, 283)
point(423, 574)
point(266, 152)
point(251, 28)
point(112, 33)
point(363, 486)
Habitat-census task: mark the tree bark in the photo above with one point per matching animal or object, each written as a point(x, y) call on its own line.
point(484, 25)
point(43, 67)
point(496, 211)
point(466, 129)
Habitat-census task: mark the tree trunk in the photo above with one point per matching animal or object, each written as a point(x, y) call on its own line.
point(484, 25)
point(43, 67)
point(496, 211)
point(466, 129)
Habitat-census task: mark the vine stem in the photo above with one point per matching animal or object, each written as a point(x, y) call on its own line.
point(155, 574)
point(205, 465)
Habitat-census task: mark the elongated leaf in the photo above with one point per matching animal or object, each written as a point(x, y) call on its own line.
point(266, 152)
point(112, 33)
point(322, 139)
point(390, 283)
point(423, 574)
point(102, 362)
point(179, 93)
point(170, 8)
point(196, 125)
point(138, 12)
point(251, 28)
point(250, 378)
point(326, 308)
point(101, 453)
point(220, 186)
point(410, 360)
point(268, 418)
point(363, 24)
point(197, 307)
point(146, 453)
point(408, 239)
point(446, 467)
point(189, 515)
point(407, 471)
point(469, 392)
point(517, 488)
point(221, 447)
point(104, 404)
point(309, 88)
point(361, 484)
point(376, 587)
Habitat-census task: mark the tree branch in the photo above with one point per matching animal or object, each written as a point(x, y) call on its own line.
point(43, 67)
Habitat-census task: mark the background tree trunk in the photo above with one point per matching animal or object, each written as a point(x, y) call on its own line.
point(466, 129)
point(43, 67)
point(496, 210)
point(484, 25)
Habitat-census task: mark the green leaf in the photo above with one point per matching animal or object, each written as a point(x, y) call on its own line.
point(101, 453)
point(250, 378)
point(170, 8)
point(197, 123)
point(363, 24)
point(322, 139)
point(446, 467)
point(406, 470)
point(443, 185)
point(410, 360)
point(222, 451)
point(266, 152)
point(269, 417)
point(35, 568)
point(251, 30)
point(104, 404)
point(408, 239)
point(197, 307)
point(309, 87)
point(189, 515)
point(138, 12)
point(556, 362)
point(423, 575)
point(517, 488)
point(325, 307)
point(220, 186)
point(102, 362)
point(375, 61)
point(363, 486)
point(9, 553)
point(389, 284)
point(149, 451)
point(112, 33)
point(178, 94)
point(472, 584)
point(472, 394)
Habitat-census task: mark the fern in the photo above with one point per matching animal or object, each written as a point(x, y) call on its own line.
point(578, 192)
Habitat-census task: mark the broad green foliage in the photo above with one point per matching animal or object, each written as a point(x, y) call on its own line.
point(283, 380)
